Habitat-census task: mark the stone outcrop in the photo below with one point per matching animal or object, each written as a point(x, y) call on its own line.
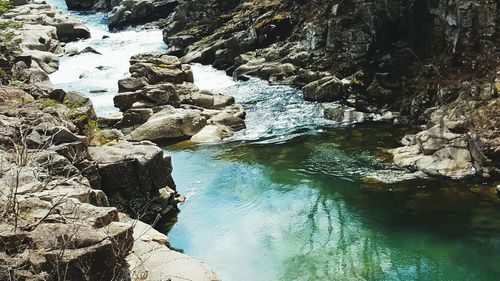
point(299, 43)
point(55, 218)
point(53, 221)
point(145, 179)
point(134, 12)
point(57, 170)
point(67, 28)
point(42, 31)
point(463, 138)
point(160, 102)
point(436, 151)
point(169, 123)
point(149, 252)
point(125, 13)
point(86, 4)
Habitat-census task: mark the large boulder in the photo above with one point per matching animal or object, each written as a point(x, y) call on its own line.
point(49, 62)
point(143, 170)
point(161, 94)
point(81, 111)
point(212, 133)
point(39, 37)
point(150, 252)
point(41, 14)
point(125, 100)
point(437, 152)
point(207, 99)
point(170, 123)
point(327, 89)
point(160, 68)
point(133, 12)
point(85, 4)
point(131, 84)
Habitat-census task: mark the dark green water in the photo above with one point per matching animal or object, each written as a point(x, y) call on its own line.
point(300, 210)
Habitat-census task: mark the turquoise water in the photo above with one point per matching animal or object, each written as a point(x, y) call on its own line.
point(293, 197)
point(300, 210)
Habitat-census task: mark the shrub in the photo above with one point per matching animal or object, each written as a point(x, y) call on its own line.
point(94, 134)
point(4, 6)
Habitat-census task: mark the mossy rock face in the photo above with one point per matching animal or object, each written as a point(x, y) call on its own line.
point(48, 102)
point(275, 19)
point(81, 111)
point(4, 6)
point(273, 29)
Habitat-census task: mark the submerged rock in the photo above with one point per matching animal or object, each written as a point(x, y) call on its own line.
point(89, 50)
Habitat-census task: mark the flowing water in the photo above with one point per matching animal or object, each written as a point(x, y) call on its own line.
point(290, 197)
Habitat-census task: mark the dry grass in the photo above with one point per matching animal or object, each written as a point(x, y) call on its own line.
point(485, 122)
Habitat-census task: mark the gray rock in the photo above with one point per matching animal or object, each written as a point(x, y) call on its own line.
point(85, 4)
point(432, 151)
point(160, 69)
point(134, 117)
point(212, 134)
point(345, 116)
point(143, 171)
point(327, 89)
point(47, 61)
point(169, 123)
point(229, 120)
point(133, 12)
point(125, 100)
point(89, 50)
point(161, 94)
point(131, 84)
point(108, 121)
point(150, 251)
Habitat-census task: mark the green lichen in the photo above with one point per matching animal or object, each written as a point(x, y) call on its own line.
point(72, 105)
point(48, 102)
point(273, 19)
point(4, 6)
point(94, 134)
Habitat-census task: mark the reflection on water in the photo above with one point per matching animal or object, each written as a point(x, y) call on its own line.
point(301, 211)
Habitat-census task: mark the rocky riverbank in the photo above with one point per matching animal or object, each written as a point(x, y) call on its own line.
point(57, 222)
point(160, 102)
point(374, 57)
point(410, 62)
point(122, 14)
point(64, 182)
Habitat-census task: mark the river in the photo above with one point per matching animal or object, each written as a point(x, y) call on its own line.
point(289, 198)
